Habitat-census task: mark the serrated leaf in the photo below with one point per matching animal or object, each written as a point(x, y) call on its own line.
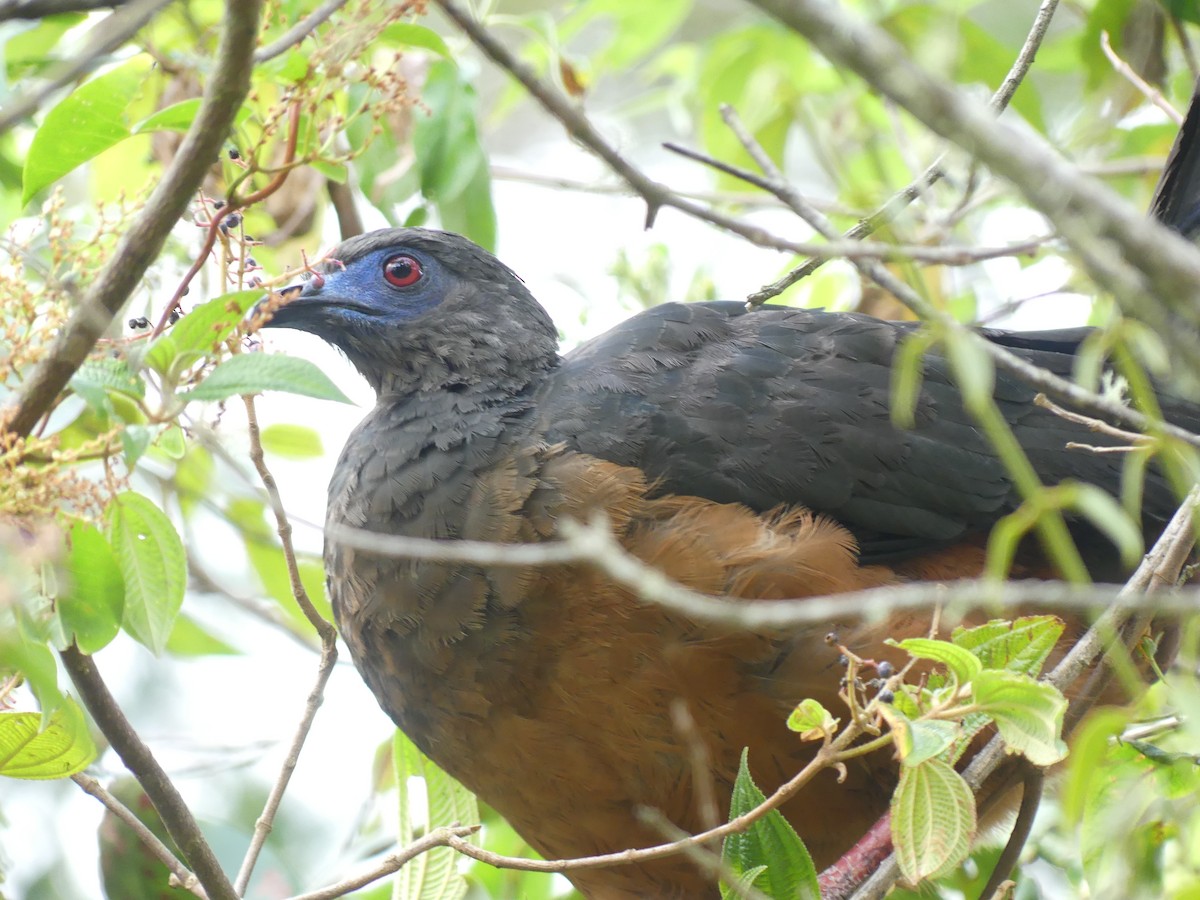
point(61, 749)
point(933, 820)
point(108, 374)
point(963, 664)
point(929, 738)
point(770, 845)
point(812, 720)
point(91, 606)
point(153, 564)
point(1028, 714)
point(292, 441)
point(87, 122)
point(1018, 646)
point(253, 373)
point(199, 332)
point(433, 875)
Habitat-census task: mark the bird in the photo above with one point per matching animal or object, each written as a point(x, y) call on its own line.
point(749, 453)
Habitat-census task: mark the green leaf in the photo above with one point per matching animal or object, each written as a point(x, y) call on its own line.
point(1028, 713)
point(770, 846)
point(929, 738)
point(134, 441)
point(292, 441)
point(253, 373)
point(33, 659)
point(933, 820)
point(973, 370)
point(433, 875)
point(60, 750)
point(153, 564)
point(1110, 518)
point(87, 122)
point(91, 607)
point(812, 720)
point(907, 376)
point(189, 638)
point(406, 34)
point(1019, 646)
point(963, 664)
point(179, 117)
point(199, 333)
point(172, 442)
point(108, 374)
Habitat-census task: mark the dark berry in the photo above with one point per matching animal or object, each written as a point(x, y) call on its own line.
point(885, 669)
point(886, 696)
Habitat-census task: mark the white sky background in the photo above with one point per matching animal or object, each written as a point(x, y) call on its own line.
point(225, 711)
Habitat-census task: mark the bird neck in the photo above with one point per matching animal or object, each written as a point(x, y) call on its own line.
point(475, 365)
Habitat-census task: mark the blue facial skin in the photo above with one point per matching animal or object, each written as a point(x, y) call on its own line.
point(360, 297)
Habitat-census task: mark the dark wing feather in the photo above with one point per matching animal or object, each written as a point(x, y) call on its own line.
point(783, 405)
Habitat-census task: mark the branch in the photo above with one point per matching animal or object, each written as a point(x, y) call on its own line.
point(187, 880)
point(887, 213)
point(1151, 271)
point(299, 31)
point(106, 37)
point(329, 654)
point(439, 837)
point(141, 243)
point(141, 762)
point(657, 195)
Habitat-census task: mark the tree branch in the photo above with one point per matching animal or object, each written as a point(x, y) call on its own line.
point(160, 851)
point(141, 244)
point(141, 762)
point(1152, 272)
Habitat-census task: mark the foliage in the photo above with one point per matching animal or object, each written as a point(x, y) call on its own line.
point(141, 459)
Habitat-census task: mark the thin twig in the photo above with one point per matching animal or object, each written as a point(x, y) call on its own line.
point(299, 31)
point(657, 195)
point(1097, 425)
point(136, 756)
point(450, 836)
point(887, 213)
point(1151, 271)
point(141, 243)
point(186, 878)
point(265, 822)
point(1151, 93)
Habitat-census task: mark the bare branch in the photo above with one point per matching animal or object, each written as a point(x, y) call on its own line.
point(329, 654)
point(450, 836)
point(141, 243)
point(887, 213)
point(299, 31)
point(1152, 272)
point(187, 880)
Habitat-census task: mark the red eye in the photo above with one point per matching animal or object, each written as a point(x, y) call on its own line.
point(402, 271)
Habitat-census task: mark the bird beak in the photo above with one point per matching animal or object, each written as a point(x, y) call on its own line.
point(290, 307)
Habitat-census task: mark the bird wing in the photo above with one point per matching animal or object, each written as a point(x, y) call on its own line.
point(788, 406)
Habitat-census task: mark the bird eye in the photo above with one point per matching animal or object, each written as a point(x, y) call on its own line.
point(402, 271)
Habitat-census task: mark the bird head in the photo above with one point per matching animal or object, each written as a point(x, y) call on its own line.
point(416, 309)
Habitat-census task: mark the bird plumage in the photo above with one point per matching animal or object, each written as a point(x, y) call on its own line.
point(748, 453)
